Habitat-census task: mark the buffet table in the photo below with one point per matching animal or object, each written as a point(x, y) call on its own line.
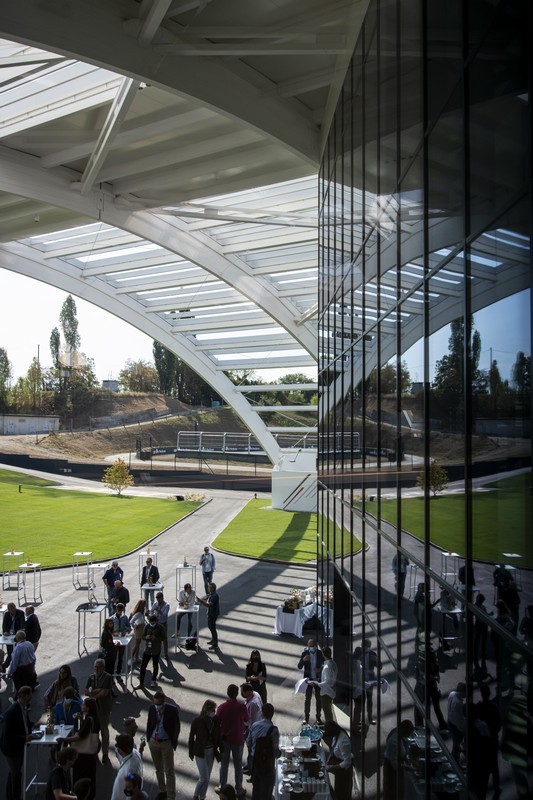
point(287, 622)
point(301, 770)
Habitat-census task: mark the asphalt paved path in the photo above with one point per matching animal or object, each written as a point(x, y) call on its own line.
point(249, 592)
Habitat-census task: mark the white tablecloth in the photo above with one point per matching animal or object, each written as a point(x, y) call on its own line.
point(293, 623)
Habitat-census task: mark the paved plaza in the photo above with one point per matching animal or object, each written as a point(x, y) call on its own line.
point(249, 593)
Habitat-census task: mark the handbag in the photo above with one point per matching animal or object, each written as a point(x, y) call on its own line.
point(89, 745)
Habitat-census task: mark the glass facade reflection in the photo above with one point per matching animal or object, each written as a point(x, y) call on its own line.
point(425, 374)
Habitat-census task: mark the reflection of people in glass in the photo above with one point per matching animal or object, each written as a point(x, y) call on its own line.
point(487, 711)
point(420, 606)
point(370, 666)
point(480, 631)
point(502, 651)
point(502, 577)
point(456, 718)
point(394, 757)
point(400, 562)
point(357, 689)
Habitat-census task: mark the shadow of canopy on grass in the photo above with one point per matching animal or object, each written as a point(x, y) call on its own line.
point(260, 531)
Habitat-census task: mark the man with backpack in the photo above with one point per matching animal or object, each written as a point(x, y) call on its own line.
point(264, 748)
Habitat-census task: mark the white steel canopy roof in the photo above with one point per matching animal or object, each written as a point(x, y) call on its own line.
point(159, 159)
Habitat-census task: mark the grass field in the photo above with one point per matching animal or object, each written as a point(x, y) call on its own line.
point(260, 531)
point(50, 525)
point(502, 520)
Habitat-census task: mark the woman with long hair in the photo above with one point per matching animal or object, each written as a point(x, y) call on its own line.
point(85, 741)
point(65, 680)
point(204, 746)
point(137, 621)
point(256, 674)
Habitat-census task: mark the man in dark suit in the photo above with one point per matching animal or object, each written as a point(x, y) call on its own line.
point(16, 734)
point(13, 621)
point(32, 627)
point(311, 662)
point(150, 574)
point(162, 732)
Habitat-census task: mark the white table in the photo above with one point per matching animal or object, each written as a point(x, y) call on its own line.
point(293, 623)
point(47, 740)
point(124, 641)
point(84, 611)
point(193, 611)
point(185, 573)
point(81, 561)
point(10, 566)
point(28, 578)
point(153, 588)
point(101, 567)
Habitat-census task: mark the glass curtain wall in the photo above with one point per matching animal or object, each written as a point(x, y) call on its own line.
point(425, 481)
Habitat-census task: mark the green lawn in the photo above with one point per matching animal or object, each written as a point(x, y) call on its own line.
point(260, 531)
point(49, 525)
point(502, 520)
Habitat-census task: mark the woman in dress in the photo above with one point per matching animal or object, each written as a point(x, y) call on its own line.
point(84, 739)
point(256, 674)
point(204, 746)
point(137, 621)
point(64, 680)
point(107, 646)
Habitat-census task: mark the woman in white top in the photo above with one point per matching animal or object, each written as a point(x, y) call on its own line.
point(137, 621)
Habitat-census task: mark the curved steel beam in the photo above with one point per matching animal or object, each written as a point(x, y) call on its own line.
point(21, 174)
point(26, 261)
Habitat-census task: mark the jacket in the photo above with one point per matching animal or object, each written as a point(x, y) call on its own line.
point(200, 735)
point(33, 629)
point(306, 665)
point(171, 722)
point(13, 740)
point(19, 623)
point(150, 572)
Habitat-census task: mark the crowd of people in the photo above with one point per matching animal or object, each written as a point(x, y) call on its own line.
point(230, 733)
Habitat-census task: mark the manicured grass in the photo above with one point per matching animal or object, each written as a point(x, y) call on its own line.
point(260, 531)
point(49, 525)
point(502, 520)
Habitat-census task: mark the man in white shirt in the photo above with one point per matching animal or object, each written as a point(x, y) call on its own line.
point(327, 683)
point(22, 665)
point(339, 760)
point(130, 762)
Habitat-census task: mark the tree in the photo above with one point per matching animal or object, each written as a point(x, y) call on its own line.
point(438, 478)
point(6, 371)
point(165, 364)
point(138, 376)
point(192, 388)
point(55, 346)
point(69, 324)
point(118, 477)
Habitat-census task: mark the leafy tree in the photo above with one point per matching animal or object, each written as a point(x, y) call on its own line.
point(55, 346)
point(388, 377)
point(521, 375)
point(165, 364)
point(438, 478)
point(449, 372)
point(118, 477)
point(139, 376)
point(69, 323)
point(6, 371)
point(295, 396)
point(192, 388)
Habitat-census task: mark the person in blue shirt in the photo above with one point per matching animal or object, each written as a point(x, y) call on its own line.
point(65, 711)
point(114, 573)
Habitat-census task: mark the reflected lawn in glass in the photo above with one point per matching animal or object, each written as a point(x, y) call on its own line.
point(501, 514)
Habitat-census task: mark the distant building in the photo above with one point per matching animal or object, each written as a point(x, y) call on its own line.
point(111, 385)
point(15, 424)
